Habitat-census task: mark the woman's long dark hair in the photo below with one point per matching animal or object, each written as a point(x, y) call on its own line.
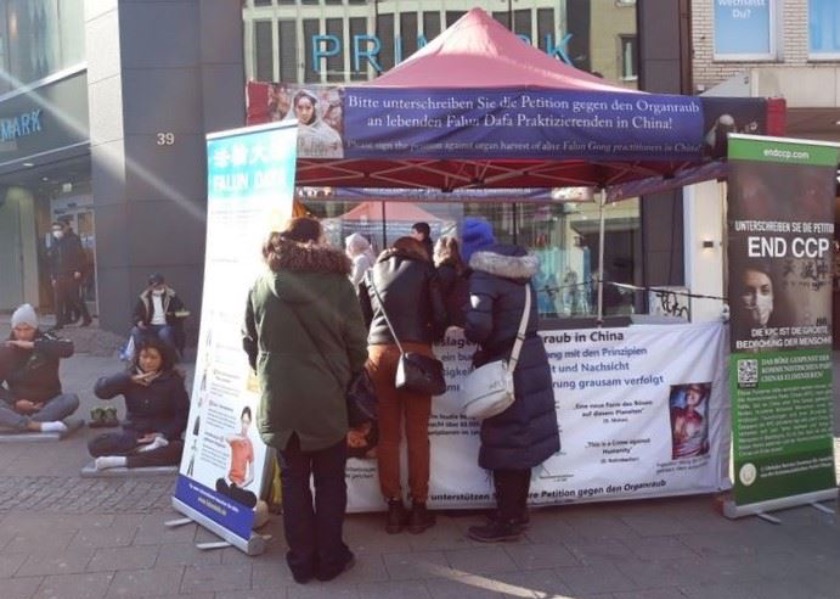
point(167, 353)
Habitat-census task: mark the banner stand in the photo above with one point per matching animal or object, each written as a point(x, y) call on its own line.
point(760, 509)
point(255, 545)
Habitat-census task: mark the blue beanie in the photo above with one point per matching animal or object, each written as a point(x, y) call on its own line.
point(476, 235)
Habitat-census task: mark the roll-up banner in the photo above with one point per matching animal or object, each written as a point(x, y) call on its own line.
point(780, 250)
point(642, 414)
point(250, 190)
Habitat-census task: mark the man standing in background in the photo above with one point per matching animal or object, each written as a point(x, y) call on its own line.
point(67, 263)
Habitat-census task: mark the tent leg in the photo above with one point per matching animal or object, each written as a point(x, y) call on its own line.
point(601, 202)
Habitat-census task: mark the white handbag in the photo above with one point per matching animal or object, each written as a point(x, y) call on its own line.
point(488, 390)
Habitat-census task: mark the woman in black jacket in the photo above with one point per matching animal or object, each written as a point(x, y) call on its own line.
point(526, 434)
point(157, 407)
point(454, 279)
point(408, 284)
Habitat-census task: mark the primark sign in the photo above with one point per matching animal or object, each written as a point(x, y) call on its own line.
point(365, 49)
point(20, 125)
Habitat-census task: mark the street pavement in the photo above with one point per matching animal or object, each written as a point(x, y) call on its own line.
point(65, 537)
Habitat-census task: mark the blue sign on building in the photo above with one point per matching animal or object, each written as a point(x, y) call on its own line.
point(743, 28)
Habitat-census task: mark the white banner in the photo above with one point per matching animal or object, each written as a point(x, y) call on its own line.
point(642, 413)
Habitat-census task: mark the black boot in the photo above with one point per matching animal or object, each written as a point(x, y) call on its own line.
point(397, 517)
point(420, 518)
point(497, 531)
point(522, 521)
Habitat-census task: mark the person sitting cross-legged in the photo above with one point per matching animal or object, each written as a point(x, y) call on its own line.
point(30, 389)
point(159, 312)
point(157, 407)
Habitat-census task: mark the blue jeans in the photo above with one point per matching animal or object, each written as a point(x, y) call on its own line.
point(57, 408)
point(314, 532)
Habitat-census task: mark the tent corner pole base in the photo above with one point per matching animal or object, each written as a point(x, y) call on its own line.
point(733, 511)
point(255, 545)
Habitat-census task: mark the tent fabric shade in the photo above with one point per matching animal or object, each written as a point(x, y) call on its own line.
point(478, 108)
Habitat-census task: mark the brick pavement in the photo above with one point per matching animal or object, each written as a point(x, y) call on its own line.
point(65, 537)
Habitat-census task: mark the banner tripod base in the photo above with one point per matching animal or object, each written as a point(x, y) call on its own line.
point(732, 510)
point(254, 545)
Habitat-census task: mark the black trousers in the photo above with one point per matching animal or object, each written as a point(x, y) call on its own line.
point(314, 530)
point(68, 300)
point(125, 444)
point(512, 488)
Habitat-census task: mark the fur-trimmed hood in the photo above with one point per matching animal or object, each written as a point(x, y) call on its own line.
point(507, 265)
point(307, 257)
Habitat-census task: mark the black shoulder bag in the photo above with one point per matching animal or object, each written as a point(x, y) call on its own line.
point(415, 372)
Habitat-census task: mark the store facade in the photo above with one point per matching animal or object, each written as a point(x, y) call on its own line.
point(124, 118)
point(329, 43)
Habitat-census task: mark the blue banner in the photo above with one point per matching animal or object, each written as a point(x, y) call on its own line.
point(250, 190)
point(521, 124)
point(221, 509)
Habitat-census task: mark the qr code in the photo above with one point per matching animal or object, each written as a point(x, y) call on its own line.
point(747, 373)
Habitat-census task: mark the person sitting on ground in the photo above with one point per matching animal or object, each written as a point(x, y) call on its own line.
point(157, 407)
point(30, 389)
point(159, 312)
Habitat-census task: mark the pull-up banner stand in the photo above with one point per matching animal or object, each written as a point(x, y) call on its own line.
point(250, 190)
point(781, 239)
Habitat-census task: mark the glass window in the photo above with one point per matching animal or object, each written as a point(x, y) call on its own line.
point(824, 28)
point(629, 67)
point(41, 37)
point(287, 42)
point(564, 235)
point(264, 51)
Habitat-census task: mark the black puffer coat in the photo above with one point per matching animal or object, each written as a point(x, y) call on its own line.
point(526, 434)
point(160, 407)
point(410, 288)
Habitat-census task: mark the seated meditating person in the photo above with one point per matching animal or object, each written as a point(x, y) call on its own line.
point(30, 389)
point(157, 407)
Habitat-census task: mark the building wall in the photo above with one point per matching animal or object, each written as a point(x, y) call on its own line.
point(791, 38)
point(162, 76)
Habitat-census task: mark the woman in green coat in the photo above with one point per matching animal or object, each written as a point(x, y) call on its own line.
point(306, 338)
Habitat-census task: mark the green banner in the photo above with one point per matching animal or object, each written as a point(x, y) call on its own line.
point(780, 250)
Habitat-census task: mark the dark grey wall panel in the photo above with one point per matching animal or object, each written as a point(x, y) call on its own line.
point(159, 34)
point(223, 110)
point(663, 40)
point(161, 100)
point(166, 172)
point(112, 232)
point(163, 233)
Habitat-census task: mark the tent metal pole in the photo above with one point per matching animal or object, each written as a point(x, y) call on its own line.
point(601, 203)
point(384, 229)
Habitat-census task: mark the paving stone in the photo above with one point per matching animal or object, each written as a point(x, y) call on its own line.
point(10, 563)
point(187, 554)
point(216, 578)
point(537, 556)
point(401, 589)
point(146, 583)
point(124, 558)
point(21, 588)
point(481, 560)
point(414, 565)
point(600, 579)
point(75, 586)
point(65, 563)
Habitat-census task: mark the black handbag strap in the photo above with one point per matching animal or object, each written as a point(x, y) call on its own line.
point(372, 285)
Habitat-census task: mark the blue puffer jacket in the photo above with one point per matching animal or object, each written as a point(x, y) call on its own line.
point(526, 434)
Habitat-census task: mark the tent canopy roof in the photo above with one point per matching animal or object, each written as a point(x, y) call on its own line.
point(479, 52)
point(475, 54)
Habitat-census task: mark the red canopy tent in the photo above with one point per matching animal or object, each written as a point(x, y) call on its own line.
point(478, 53)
